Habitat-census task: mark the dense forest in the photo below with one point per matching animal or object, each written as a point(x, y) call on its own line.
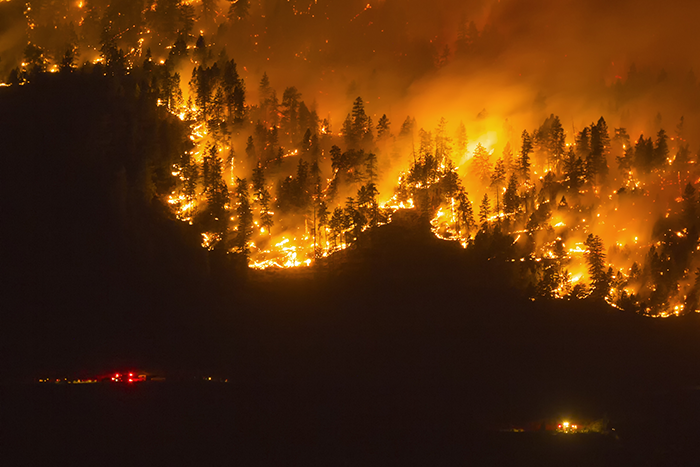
point(269, 183)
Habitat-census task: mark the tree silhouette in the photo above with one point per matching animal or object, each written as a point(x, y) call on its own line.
point(481, 164)
point(244, 231)
point(383, 127)
point(498, 179)
point(484, 210)
point(595, 258)
point(525, 151)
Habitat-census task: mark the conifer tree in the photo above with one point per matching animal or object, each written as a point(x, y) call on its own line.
point(595, 258)
point(383, 128)
point(574, 171)
point(557, 144)
point(484, 210)
point(290, 113)
point(371, 167)
point(498, 179)
point(443, 143)
point(264, 93)
point(407, 128)
point(661, 148)
point(244, 230)
point(481, 164)
point(466, 212)
point(511, 200)
point(261, 195)
point(525, 151)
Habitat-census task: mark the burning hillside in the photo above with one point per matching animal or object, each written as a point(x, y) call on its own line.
point(281, 176)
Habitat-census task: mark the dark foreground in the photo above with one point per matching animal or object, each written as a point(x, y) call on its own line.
point(388, 359)
point(196, 423)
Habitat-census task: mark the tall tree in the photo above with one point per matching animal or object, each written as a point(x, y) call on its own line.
point(481, 164)
point(661, 148)
point(484, 210)
point(498, 179)
point(443, 143)
point(244, 230)
point(557, 145)
point(596, 162)
point(525, 151)
point(595, 258)
point(383, 128)
point(574, 171)
point(290, 113)
point(511, 200)
point(465, 213)
point(217, 194)
point(261, 196)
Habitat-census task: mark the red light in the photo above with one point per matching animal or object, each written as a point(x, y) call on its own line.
point(131, 374)
point(131, 380)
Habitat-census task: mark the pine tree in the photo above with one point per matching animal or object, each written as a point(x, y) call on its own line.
point(351, 139)
point(336, 224)
point(443, 143)
point(596, 163)
point(322, 217)
point(466, 212)
point(644, 154)
point(261, 196)
point(216, 192)
point(234, 92)
point(371, 167)
point(498, 179)
point(408, 127)
point(661, 149)
point(583, 143)
point(557, 144)
point(511, 200)
point(245, 218)
point(337, 163)
point(481, 164)
point(595, 258)
point(426, 143)
point(574, 171)
point(484, 210)
point(525, 152)
point(264, 93)
point(290, 113)
point(383, 128)
point(360, 130)
point(200, 51)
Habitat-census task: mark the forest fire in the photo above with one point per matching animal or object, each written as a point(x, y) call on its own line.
point(281, 181)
